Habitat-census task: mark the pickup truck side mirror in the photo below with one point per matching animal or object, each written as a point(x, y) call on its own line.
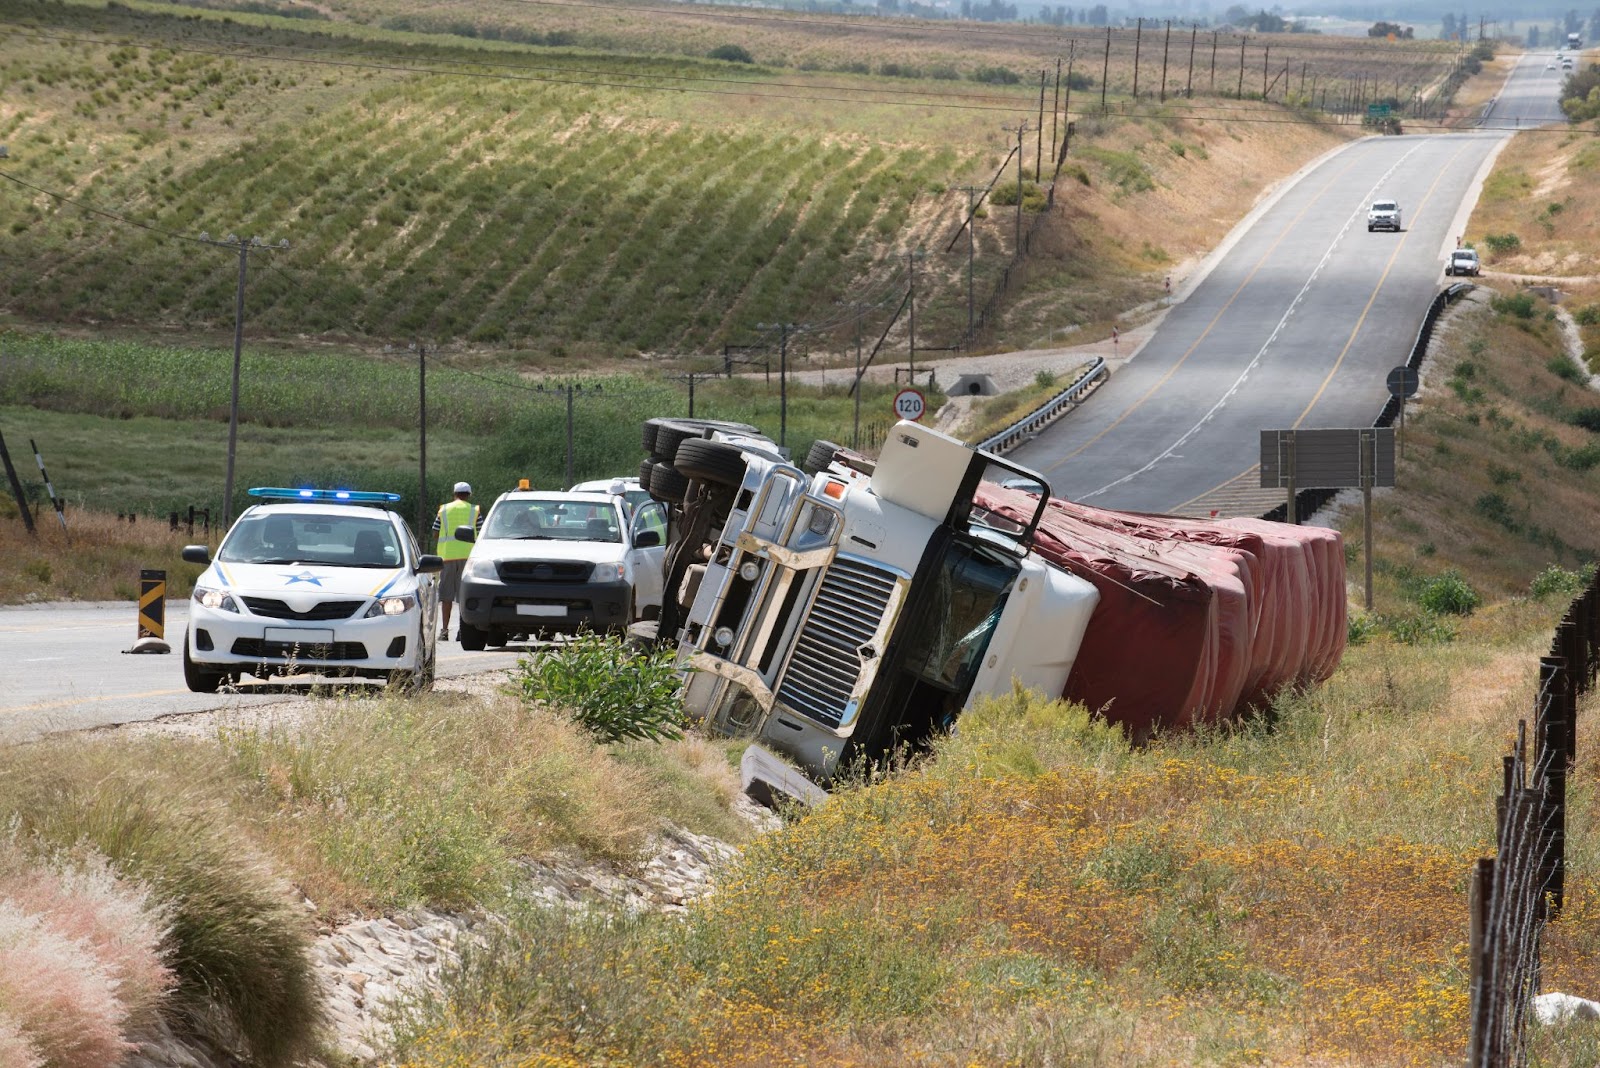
point(197, 554)
point(647, 539)
point(428, 564)
point(466, 533)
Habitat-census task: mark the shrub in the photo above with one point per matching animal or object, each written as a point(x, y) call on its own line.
point(1588, 315)
point(732, 53)
point(1496, 509)
point(610, 689)
point(1359, 627)
point(1424, 629)
point(996, 76)
point(1588, 417)
point(1502, 244)
point(1518, 305)
point(1557, 580)
point(1448, 594)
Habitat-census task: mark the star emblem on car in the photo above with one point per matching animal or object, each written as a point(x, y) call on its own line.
point(304, 576)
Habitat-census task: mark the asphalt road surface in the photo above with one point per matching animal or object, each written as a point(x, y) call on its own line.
point(1296, 327)
point(64, 669)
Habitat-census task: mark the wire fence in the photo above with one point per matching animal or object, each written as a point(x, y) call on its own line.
point(1523, 886)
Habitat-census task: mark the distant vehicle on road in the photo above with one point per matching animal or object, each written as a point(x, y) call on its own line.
point(322, 582)
point(628, 489)
point(1383, 215)
point(1574, 41)
point(557, 563)
point(1463, 261)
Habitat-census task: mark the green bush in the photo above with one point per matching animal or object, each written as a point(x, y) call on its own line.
point(1424, 629)
point(1518, 305)
point(996, 76)
point(1448, 594)
point(1502, 244)
point(1588, 315)
point(732, 53)
point(1558, 580)
point(609, 688)
point(1587, 417)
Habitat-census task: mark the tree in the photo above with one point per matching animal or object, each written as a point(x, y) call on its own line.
point(1447, 27)
point(1391, 29)
point(1533, 36)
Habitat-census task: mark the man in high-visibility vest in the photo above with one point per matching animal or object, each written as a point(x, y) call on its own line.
point(458, 512)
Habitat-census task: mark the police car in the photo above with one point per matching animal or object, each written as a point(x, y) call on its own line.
point(324, 582)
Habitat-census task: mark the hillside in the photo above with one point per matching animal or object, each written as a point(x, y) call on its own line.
point(572, 205)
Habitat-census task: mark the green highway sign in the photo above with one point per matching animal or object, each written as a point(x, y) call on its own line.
point(1377, 111)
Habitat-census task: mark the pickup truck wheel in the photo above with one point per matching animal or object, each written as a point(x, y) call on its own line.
point(668, 484)
point(495, 639)
point(820, 454)
point(473, 639)
point(710, 461)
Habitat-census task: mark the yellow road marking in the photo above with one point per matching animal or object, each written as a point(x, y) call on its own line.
point(41, 706)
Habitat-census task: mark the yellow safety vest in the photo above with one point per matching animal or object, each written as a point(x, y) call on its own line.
point(452, 515)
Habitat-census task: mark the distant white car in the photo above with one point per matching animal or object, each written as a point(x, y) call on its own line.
point(320, 582)
point(1383, 215)
point(1463, 261)
point(557, 563)
point(628, 489)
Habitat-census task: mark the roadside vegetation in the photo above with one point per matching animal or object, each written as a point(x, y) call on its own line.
point(1291, 891)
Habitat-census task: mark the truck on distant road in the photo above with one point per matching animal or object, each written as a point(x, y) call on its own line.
point(844, 613)
point(1575, 41)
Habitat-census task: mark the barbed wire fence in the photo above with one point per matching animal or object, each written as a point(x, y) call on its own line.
point(1523, 887)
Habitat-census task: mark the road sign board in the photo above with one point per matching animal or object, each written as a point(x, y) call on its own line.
point(1327, 459)
point(1377, 111)
point(910, 404)
point(1403, 382)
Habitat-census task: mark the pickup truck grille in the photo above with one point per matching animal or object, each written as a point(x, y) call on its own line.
point(826, 663)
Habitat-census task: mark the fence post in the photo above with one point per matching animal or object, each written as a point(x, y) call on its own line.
point(1479, 949)
point(1551, 731)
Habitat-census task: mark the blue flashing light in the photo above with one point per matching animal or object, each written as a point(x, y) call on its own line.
point(305, 494)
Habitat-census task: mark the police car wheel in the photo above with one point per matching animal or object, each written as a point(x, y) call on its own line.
point(197, 678)
point(473, 639)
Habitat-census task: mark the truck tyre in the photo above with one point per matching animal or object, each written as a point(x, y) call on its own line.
point(473, 639)
point(644, 473)
point(668, 484)
point(710, 461)
point(820, 454)
point(669, 434)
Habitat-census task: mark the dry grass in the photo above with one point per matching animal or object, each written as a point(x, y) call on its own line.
point(1545, 189)
point(96, 558)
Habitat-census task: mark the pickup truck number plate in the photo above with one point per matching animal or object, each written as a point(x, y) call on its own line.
point(541, 610)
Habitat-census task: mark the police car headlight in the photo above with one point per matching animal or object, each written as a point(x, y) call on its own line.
point(480, 569)
point(391, 606)
point(607, 573)
point(218, 599)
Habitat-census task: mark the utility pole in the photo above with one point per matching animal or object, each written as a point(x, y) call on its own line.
point(1138, 34)
point(1165, 48)
point(1188, 90)
point(1239, 93)
point(1022, 128)
point(783, 329)
point(244, 248)
point(970, 190)
point(1266, 56)
point(1038, 141)
point(1105, 70)
point(422, 441)
point(1214, 60)
point(859, 308)
point(1055, 108)
point(911, 263)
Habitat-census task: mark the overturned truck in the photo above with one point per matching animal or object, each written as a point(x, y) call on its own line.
point(842, 611)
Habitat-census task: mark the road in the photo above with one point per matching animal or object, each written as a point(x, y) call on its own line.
point(64, 669)
point(1296, 326)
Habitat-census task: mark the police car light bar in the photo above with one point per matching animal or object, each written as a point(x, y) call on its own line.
point(282, 493)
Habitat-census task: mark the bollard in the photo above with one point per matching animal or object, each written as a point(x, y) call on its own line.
point(152, 613)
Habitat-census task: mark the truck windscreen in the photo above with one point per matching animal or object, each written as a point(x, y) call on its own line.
point(969, 588)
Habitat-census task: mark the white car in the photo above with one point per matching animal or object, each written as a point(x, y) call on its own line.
point(628, 489)
point(1383, 215)
point(555, 563)
point(323, 582)
point(1462, 261)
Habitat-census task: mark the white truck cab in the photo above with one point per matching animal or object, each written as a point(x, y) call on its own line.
point(844, 615)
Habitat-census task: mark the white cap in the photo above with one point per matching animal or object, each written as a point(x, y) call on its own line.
point(462, 487)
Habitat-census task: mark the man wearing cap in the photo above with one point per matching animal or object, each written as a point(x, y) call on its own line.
point(459, 512)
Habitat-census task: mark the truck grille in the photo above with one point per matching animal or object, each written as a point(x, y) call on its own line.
point(826, 663)
point(544, 570)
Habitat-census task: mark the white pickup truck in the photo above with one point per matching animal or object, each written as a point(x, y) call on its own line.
point(1383, 215)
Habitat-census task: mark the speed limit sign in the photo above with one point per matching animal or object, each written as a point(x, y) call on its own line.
point(910, 404)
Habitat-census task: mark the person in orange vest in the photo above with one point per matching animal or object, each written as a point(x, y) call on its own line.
point(457, 512)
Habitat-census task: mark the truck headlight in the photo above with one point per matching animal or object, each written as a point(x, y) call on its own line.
point(482, 569)
point(391, 606)
point(749, 570)
point(607, 573)
point(218, 599)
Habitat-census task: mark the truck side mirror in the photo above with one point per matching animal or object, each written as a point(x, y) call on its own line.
point(466, 533)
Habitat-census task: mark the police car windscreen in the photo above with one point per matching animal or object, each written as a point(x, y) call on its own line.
point(338, 540)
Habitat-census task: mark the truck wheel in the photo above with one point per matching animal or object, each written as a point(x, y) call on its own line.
point(668, 484)
point(671, 432)
point(820, 454)
point(644, 473)
point(473, 639)
point(710, 461)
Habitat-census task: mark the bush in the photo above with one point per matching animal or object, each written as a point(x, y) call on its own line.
point(1588, 417)
point(608, 688)
point(996, 76)
point(732, 53)
point(1557, 580)
point(1448, 594)
point(1518, 305)
point(1502, 244)
point(1588, 315)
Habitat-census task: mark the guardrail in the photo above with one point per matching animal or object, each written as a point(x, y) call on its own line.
point(1308, 501)
point(1029, 425)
